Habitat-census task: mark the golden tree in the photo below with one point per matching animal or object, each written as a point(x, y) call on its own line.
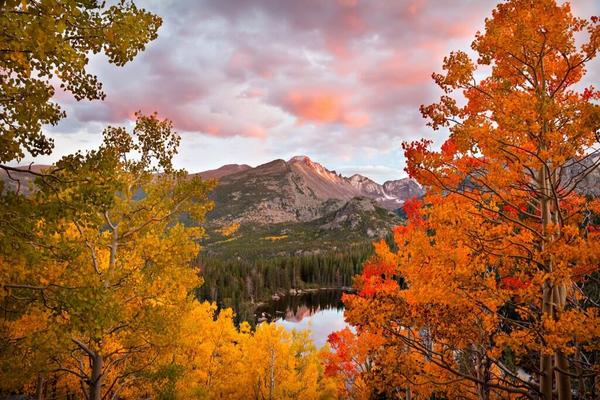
point(95, 267)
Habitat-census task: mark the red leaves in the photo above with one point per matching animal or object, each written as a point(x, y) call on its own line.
point(377, 276)
point(473, 162)
point(513, 211)
point(449, 148)
point(415, 152)
point(350, 351)
point(590, 93)
point(512, 283)
point(510, 210)
point(412, 208)
point(343, 343)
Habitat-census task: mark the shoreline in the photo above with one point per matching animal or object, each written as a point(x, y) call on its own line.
point(298, 292)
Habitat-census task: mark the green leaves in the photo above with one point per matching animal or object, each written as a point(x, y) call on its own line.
point(42, 39)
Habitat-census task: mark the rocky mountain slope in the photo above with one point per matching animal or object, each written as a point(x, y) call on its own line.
point(298, 190)
point(21, 181)
point(225, 170)
point(283, 207)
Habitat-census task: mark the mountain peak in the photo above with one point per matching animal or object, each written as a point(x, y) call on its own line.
point(359, 178)
point(304, 159)
point(225, 170)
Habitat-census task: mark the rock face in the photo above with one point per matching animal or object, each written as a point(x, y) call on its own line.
point(366, 186)
point(590, 182)
point(363, 214)
point(398, 191)
point(225, 170)
point(297, 190)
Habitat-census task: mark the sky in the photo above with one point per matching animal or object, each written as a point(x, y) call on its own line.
point(250, 81)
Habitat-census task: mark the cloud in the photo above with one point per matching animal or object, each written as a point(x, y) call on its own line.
point(325, 106)
point(341, 80)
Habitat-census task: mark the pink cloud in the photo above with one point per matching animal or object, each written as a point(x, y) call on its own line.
point(347, 70)
point(185, 116)
point(356, 119)
point(243, 62)
point(347, 3)
point(323, 106)
point(314, 106)
point(398, 70)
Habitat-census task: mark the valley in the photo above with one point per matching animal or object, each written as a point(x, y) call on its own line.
point(291, 225)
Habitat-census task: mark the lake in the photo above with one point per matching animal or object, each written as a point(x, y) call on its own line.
point(320, 311)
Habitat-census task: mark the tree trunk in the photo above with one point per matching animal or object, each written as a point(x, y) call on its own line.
point(39, 390)
point(554, 302)
point(563, 381)
point(482, 373)
point(96, 378)
point(272, 375)
point(546, 366)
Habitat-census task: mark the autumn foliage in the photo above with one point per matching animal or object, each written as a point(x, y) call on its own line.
point(98, 287)
point(490, 289)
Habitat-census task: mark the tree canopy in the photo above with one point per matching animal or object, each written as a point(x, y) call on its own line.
point(492, 270)
point(46, 45)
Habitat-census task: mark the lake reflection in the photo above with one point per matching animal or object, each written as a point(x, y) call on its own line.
point(322, 312)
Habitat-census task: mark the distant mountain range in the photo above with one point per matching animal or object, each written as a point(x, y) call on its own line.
point(298, 205)
point(288, 207)
point(297, 190)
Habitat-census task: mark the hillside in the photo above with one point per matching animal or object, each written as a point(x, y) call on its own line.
point(357, 221)
point(298, 190)
point(297, 207)
point(21, 181)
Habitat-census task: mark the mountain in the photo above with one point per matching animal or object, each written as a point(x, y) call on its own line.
point(21, 180)
point(590, 182)
point(287, 206)
point(297, 190)
point(225, 170)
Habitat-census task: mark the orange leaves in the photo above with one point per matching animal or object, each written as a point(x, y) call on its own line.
point(439, 113)
point(506, 114)
point(415, 154)
point(459, 69)
point(489, 265)
point(379, 272)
